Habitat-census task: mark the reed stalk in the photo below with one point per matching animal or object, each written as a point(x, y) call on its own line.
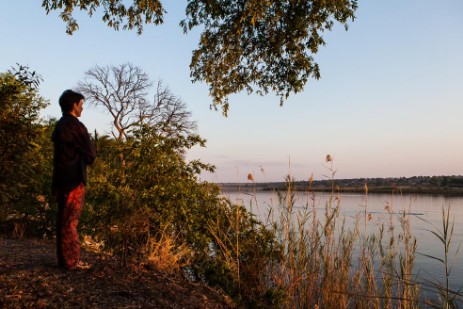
point(326, 262)
point(448, 297)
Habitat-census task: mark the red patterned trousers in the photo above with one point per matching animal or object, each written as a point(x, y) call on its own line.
point(70, 207)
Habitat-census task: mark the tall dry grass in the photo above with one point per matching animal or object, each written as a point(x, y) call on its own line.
point(447, 298)
point(326, 262)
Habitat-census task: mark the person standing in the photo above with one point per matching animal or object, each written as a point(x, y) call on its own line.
point(73, 151)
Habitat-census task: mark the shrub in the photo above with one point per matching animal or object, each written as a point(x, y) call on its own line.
point(25, 149)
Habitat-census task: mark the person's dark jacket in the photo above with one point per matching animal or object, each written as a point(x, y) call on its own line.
point(73, 152)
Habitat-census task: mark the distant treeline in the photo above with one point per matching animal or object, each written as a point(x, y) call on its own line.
point(446, 185)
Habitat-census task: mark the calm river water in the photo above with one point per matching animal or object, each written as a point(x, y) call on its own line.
point(425, 214)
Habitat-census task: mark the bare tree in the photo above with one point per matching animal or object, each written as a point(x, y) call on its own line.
point(167, 113)
point(124, 90)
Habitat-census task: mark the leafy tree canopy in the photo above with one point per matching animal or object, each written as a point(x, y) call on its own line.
point(252, 45)
point(116, 13)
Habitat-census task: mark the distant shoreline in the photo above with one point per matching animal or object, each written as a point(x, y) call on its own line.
point(432, 185)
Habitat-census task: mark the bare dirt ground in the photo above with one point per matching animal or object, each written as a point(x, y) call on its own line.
point(30, 278)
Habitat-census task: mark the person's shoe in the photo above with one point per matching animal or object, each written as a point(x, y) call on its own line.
point(82, 265)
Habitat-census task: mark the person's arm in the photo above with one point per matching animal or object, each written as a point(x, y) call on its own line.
point(86, 145)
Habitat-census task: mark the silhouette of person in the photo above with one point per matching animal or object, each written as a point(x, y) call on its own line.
point(73, 151)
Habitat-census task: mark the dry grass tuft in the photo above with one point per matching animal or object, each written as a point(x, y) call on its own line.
point(166, 255)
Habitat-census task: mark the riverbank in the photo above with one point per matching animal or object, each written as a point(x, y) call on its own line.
point(29, 278)
point(436, 185)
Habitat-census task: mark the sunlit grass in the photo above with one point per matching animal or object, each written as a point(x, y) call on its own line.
point(327, 262)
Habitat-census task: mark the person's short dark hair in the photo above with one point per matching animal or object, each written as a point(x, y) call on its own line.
point(68, 98)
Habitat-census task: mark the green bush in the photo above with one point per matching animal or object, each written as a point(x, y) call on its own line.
point(25, 149)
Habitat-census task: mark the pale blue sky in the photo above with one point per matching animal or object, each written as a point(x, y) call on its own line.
point(389, 103)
